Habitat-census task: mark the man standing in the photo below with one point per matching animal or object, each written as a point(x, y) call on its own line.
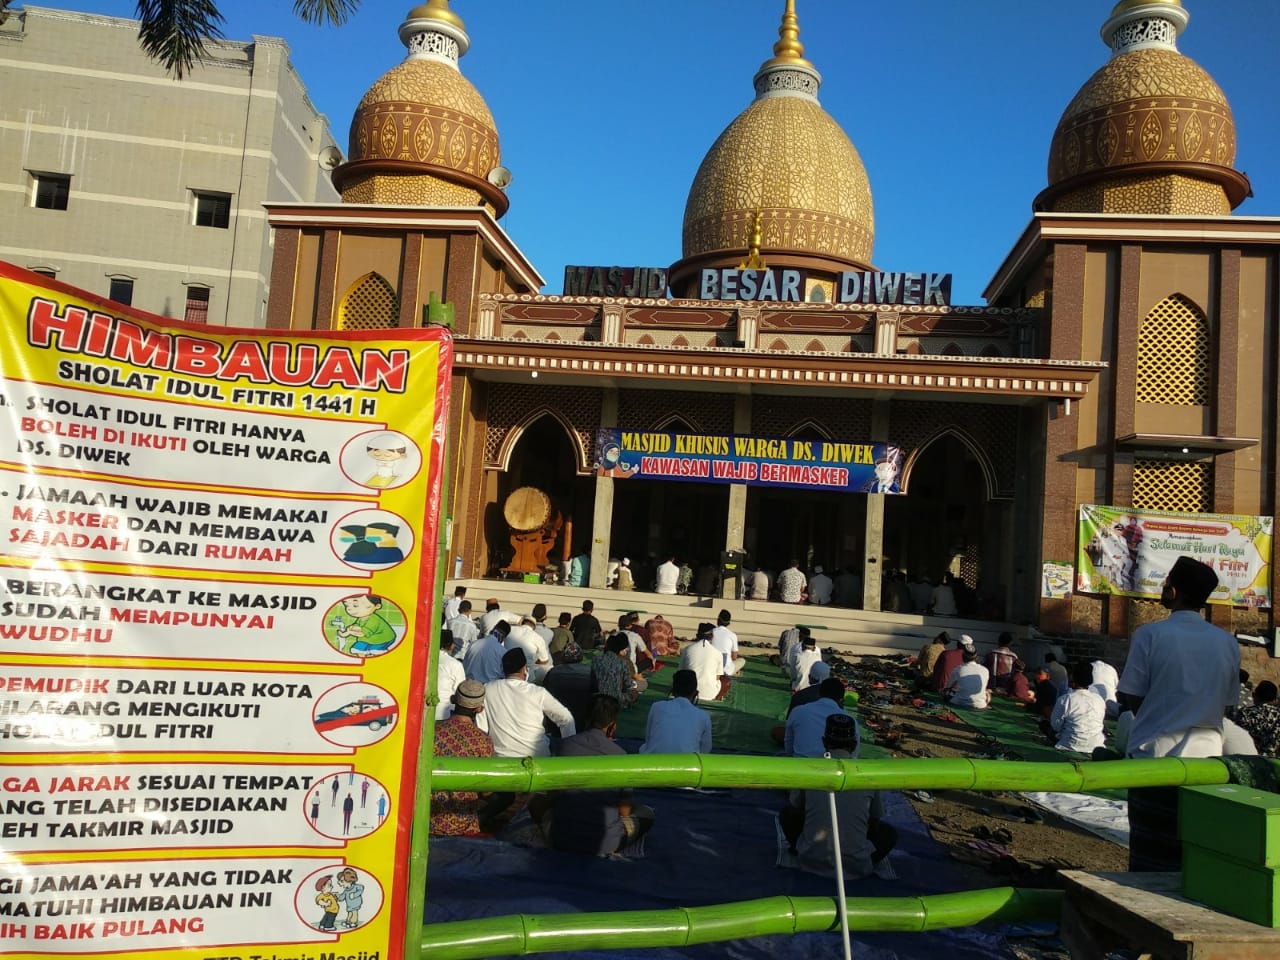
point(515, 709)
point(706, 663)
point(1181, 675)
point(791, 584)
point(668, 577)
point(726, 641)
point(677, 725)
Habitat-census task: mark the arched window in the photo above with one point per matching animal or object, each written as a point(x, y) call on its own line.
point(1174, 355)
point(370, 304)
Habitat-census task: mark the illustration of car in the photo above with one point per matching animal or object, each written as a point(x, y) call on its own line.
point(365, 712)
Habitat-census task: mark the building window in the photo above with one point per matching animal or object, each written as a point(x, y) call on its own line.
point(212, 209)
point(369, 304)
point(1175, 355)
point(51, 191)
point(121, 290)
point(197, 305)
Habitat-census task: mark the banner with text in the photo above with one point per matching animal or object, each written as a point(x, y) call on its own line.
point(758, 461)
point(217, 580)
point(1129, 552)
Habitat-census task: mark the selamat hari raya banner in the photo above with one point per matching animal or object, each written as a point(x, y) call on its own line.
point(1128, 552)
point(217, 581)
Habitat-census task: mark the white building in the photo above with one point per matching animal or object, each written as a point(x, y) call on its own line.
point(117, 178)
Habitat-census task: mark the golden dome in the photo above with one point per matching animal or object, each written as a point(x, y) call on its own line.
point(1148, 114)
point(785, 158)
point(424, 119)
point(785, 161)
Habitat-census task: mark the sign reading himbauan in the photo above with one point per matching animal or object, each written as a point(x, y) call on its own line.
point(758, 461)
point(213, 545)
point(784, 285)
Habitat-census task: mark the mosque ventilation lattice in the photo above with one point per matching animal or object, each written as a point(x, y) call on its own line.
point(1174, 356)
point(370, 304)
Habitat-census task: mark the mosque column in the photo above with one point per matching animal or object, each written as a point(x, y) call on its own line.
point(736, 522)
point(602, 516)
point(873, 552)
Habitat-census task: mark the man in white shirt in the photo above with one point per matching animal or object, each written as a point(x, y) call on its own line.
point(1077, 717)
point(726, 641)
point(493, 613)
point(451, 605)
point(1181, 675)
point(819, 587)
point(539, 614)
point(705, 661)
point(516, 709)
point(807, 723)
point(1104, 683)
point(525, 637)
point(943, 600)
point(809, 655)
point(756, 585)
point(463, 628)
point(483, 661)
point(791, 584)
point(449, 674)
point(968, 686)
point(677, 725)
point(667, 577)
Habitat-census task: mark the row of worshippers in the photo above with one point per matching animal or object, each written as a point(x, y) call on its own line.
point(713, 657)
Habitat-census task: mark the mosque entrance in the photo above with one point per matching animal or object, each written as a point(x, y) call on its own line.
point(653, 519)
point(545, 458)
point(812, 526)
point(948, 522)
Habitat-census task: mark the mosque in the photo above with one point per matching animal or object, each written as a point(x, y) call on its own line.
point(1126, 357)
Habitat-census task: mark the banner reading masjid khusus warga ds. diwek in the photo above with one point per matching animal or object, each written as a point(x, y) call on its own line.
point(756, 461)
point(1128, 552)
point(218, 562)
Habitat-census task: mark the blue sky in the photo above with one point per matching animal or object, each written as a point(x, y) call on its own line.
point(605, 108)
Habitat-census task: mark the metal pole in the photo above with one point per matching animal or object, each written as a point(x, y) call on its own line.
point(842, 906)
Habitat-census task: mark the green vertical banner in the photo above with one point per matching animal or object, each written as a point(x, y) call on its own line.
point(1127, 552)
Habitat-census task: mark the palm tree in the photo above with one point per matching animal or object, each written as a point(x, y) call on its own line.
point(173, 32)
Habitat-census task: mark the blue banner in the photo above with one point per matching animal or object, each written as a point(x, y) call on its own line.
point(757, 461)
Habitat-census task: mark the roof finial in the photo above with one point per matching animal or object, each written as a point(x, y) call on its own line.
point(754, 261)
point(431, 30)
point(1144, 24)
point(787, 72)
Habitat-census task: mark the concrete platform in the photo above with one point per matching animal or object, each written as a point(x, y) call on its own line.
point(856, 632)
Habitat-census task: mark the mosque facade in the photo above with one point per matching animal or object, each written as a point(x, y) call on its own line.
point(1126, 357)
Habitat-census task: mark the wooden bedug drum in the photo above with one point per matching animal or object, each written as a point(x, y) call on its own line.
point(535, 525)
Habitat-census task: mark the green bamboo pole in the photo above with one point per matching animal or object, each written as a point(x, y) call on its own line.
point(522, 935)
point(792, 773)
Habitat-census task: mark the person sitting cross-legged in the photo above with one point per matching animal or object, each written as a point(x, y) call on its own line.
point(807, 723)
point(678, 725)
point(1077, 717)
point(865, 839)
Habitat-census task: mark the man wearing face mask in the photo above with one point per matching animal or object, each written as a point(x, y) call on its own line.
point(1181, 675)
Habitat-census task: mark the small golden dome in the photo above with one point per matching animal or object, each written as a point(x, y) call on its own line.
point(424, 119)
point(1149, 113)
point(785, 168)
point(786, 158)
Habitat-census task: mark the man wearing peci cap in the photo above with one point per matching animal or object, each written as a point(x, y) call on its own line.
point(677, 725)
point(947, 663)
point(865, 839)
point(1181, 675)
point(705, 661)
point(464, 813)
point(807, 724)
point(726, 641)
point(820, 587)
point(809, 655)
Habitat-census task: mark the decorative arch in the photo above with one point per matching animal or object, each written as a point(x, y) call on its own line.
point(553, 335)
point(952, 350)
point(815, 346)
point(503, 460)
point(645, 339)
point(1175, 355)
point(680, 341)
point(369, 304)
point(779, 345)
point(989, 477)
point(674, 423)
point(812, 427)
point(519, 335)
point(913, 349)
point(991, 350)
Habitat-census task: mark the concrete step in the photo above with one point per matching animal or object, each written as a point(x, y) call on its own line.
point(851, 632)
